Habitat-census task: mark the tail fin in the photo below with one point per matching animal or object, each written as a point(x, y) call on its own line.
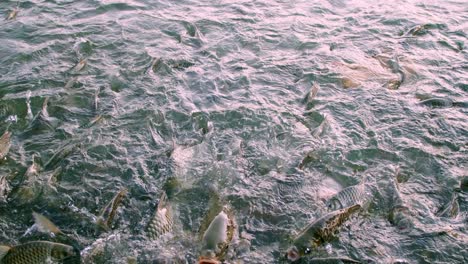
point(163, 202)
point(3, 251)
point(45, 225)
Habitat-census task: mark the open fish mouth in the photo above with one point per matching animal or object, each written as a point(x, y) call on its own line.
point(203, 260)
point(292, 254)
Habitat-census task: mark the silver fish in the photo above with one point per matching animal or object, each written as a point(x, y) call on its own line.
point(93, 121)
point(38, 252)
point(107, 214)
point(29, 114)
point(96, 99)
point(318, 131)
point(349, 196)
point(217, 238)
point(60, 155)
point(319, 232)
point(78, 67)
point(162, 221)
point(5, 144)
point(312, 93)
point(438, 102)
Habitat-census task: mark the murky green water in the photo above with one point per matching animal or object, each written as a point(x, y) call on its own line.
point(227, 83)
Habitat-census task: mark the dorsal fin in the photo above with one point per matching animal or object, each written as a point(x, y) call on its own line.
point(3, 251)
point(45, 225)
point(163, 202)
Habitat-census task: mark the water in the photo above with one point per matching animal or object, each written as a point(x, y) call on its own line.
point(225, 82)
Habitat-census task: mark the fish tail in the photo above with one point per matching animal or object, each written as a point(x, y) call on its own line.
point(3, 251)
point(163, 202)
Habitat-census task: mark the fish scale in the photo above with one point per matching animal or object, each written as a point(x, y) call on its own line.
point(37, 252)
point(347, 197)
point(319, 232)
point(162, 222)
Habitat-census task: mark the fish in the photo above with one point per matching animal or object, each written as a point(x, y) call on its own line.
point(318, 131)
point(162, 221)
point(38, 252)
point(309, 158)
point(29, 114)
point(218, 237)
point(107, 214)
point(451, 209)
point(78, 67)
point(96, 99)
point(58, 156)
point(42, 119)
point(393, 84)
point(418, 30)
point(312, 93)
point(347, 197)
point(5, 144)
point(400, 214)
point(93, 121)
point(319, 232)
point(71, 82)
point(44, 225)
point(4, 188)
point(12, 15)
point(437, 102)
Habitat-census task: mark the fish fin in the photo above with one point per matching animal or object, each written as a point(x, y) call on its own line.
point(45, 225)
point(163, 202)
point(3, 251)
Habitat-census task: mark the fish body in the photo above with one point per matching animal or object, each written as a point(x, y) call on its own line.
point(162, 221)
point(312, 93)
point(78, 67)
point(107, 214)
point(42, 119)
point(4, 188)
point(320, 130)
point(12, 15)
point(347, 197)
point(5, 144)
point(451, 209)
point(60, 155)
point(71, 82)
point(437, 102)
point(319, 232)
point(29, 114)
point(38, 252)
point(217, 237)
point(45, 225)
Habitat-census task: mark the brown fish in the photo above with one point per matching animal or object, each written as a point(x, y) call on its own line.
point(162, 222)
point(12, 15)
point(37, 252)
point(108, 213)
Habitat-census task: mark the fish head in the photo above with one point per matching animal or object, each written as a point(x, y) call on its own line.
point(61, 252)
point(208, 259)
point(295, 253)
point(333, 204)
